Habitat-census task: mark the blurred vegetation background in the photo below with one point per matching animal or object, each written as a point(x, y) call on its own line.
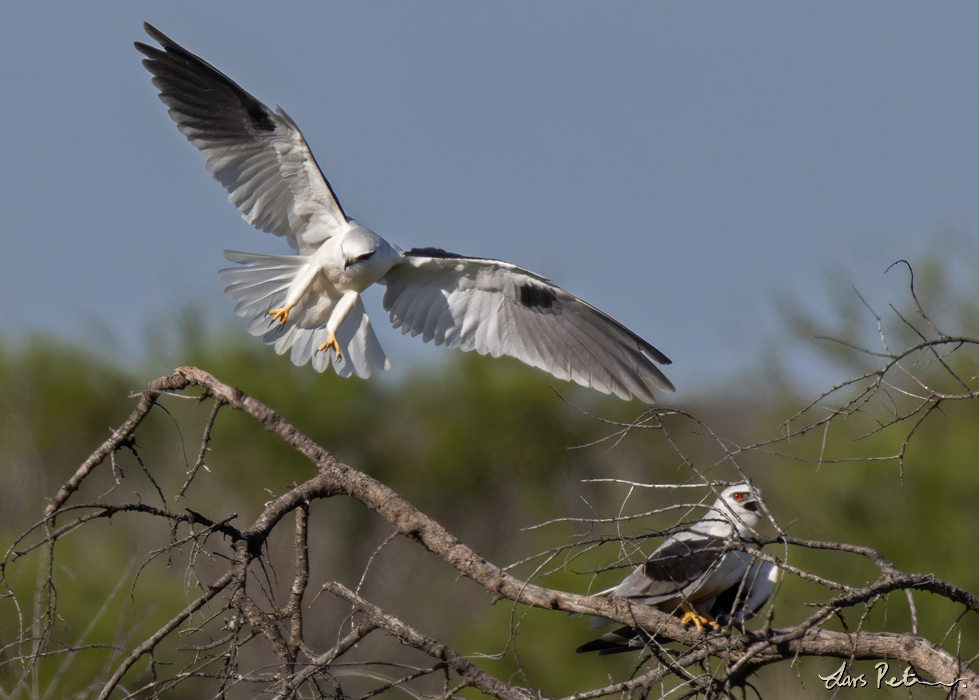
point(488, 448)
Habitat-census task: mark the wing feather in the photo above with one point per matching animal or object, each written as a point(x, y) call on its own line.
point(259, 156)
point(421, 302)
point(540, 348)
point(486, 335)
point(677, 568)
point(404, 304)
point(497, 309)
point(600, 350)
point(444, 327)
point(431, 324)
point(585, 351)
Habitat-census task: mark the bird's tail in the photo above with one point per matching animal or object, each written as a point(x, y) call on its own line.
point(621, 640)
point(261, 283)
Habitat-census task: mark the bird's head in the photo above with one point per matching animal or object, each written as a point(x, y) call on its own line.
point(365, 256)
point(741, 505)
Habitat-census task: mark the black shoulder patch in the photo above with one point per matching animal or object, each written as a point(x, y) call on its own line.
point(260, 118)
point(536, 297)
point(432, 253)
point(682, 562)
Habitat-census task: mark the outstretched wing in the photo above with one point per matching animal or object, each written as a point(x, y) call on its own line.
point(259, 155)
point(496, 309)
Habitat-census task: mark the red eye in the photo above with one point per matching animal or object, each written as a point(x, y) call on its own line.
point(738, 496)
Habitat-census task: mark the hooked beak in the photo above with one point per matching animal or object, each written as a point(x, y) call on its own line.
point(751, 506)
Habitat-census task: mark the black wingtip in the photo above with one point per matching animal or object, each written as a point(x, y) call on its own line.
point(156, 35)
point(170, 47)
point(159, 37)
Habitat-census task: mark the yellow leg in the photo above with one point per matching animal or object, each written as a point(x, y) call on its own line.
point(691, 616)
point(280, 315)
point(331, 342)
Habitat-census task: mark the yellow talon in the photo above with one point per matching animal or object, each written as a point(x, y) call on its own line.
point(280, 315)
point(691, 616)
point(331, 342)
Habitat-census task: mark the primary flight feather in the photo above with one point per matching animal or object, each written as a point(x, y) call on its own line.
point(309, 304)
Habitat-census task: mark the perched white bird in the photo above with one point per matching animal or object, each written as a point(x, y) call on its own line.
point(696, 571)
point(310, 303)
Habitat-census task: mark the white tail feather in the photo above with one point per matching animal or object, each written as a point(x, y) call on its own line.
point(261, 283)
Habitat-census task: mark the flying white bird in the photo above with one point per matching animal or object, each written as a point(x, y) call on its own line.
point(310, 303)
point(696, 571)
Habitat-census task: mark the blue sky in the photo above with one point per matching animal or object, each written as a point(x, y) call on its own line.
point(686, 167)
